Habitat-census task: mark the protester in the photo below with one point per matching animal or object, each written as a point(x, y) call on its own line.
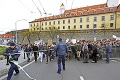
point(28, 51)
point(35, 51)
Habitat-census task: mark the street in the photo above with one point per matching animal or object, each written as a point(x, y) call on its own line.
point(75, 70)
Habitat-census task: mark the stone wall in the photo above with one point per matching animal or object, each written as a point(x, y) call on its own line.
point(87, 35)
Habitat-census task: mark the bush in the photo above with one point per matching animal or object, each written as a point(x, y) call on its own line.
point(2, 48)
point(1, 58)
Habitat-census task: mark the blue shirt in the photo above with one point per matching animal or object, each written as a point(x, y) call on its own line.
point(61, 48)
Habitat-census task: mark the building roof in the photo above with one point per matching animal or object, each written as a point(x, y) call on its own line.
point(83, 11)
point(5, 35)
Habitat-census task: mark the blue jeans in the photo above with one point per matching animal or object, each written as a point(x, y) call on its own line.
point(61, 58)
point(11, 70)
point(107, 56)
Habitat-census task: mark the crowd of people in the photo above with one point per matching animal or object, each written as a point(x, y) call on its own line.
point(82, 51)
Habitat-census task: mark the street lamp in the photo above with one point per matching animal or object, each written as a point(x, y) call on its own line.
point(93, 32)
point(16, 27)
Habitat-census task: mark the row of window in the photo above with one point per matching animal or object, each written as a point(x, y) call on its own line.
point(81, 20)
point(81, 26)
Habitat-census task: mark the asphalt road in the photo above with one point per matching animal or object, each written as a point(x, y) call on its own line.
point(74, 69)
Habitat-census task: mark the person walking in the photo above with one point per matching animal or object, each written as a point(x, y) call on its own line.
point(28, 51)
point(61, 49)
point(35, 51)
point(108, 48)
point(10, 51)
point(85, 52)
point(95, 51)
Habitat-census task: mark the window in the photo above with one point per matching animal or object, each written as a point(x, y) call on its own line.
point(111, 25)
point(80, 26)
point(80, 19)
point(46, 23)
point(103, 18)
point(111, 9)
point(74, 20)
point(37, 29)
point(42, 29)
point(63, 21)
point(94, 11)
point(49, 28)
point(94, 25)
point(58, 22)
point(34, 24)
point(68, 27)
point(87, 26)
point(37, 24)
point(81, 13)
point(54, 22)
point(63, 27)
point(102, 25)
point(88, 12)
point(49, 23)
point(103, 10)
point(87, 19)
point(95, 18)
point(74, 26)
point(111, 17)
point(31, 25)
point(68, 20)
point(58, 27)
point(42, 24)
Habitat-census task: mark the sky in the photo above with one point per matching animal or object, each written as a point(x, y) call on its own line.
point(25, 11)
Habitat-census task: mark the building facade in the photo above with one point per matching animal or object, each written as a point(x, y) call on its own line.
point(95, 17)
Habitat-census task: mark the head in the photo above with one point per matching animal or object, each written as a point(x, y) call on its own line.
point(12, 45)
point(60, 39)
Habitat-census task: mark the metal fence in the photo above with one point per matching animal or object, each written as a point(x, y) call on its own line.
point(115, 52)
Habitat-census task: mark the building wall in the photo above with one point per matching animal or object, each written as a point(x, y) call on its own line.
point(118, 20)
point(84, 23)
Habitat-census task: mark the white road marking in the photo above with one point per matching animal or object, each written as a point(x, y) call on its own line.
point(81, 78)
point(114, 60)
point(3, 77)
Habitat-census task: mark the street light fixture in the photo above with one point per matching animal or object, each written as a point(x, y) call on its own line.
point(16, 27)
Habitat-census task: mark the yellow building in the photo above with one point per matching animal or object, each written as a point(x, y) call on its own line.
point(85, 18)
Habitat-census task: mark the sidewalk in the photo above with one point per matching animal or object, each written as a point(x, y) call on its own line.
point(4, 67)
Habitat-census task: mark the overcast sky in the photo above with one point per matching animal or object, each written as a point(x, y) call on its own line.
point(13, 10)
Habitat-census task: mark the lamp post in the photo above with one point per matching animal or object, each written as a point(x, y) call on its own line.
point(93, 32)
point(16, 27)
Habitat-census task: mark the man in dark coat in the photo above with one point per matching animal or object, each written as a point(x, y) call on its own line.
point(10, 51)
point(35, 50)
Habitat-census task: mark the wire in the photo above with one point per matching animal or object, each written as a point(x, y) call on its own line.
point(37, 7)
point(25, 6)
point(42, 7)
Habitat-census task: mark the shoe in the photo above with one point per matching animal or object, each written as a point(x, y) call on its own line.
point(7, 64)
point(16, 74)
point(58, 72)
point(107, 62)
point(46, 62)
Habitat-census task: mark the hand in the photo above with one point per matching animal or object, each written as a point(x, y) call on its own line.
point(8, 54)
point(11, 59)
